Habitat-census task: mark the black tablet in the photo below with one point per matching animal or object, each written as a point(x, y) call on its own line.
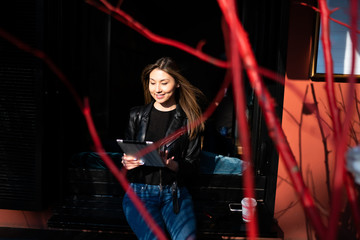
point(152, 158)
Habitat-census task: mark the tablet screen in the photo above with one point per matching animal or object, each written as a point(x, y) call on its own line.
point(132, 147)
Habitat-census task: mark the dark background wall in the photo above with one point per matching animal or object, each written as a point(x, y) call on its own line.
point(103, 59)
point(107, 57)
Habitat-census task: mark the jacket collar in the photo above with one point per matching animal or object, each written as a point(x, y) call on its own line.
point(179, 113)
point(176, 123)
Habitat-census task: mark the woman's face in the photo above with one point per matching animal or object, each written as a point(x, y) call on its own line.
point(162, 88)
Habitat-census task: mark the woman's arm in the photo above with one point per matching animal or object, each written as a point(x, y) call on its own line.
point(130, 131)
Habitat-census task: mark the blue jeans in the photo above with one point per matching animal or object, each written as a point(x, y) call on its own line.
point(159, 203)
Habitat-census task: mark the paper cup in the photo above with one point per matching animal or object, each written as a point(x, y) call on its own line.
point(248, 207)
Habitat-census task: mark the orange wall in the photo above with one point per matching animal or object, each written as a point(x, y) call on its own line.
point(24, 219)
point(302, 129)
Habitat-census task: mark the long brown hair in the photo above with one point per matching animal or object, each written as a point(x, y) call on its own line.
point(186, 95)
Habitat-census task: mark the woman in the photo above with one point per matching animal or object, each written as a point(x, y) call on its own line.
point(171, 103)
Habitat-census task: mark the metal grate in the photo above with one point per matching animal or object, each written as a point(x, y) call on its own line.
point(20, 109)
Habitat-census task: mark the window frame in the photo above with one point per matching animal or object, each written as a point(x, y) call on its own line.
point(315, 55)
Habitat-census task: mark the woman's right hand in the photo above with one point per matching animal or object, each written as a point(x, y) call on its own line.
point(130, 162)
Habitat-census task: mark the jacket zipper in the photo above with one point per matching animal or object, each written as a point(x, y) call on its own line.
point(160, 175)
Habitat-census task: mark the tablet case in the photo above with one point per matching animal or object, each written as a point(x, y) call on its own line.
point(152, 158)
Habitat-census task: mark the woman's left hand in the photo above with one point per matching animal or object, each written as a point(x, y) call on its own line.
point(170, 163)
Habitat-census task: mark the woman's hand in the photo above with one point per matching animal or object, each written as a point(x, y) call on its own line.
point(130, 162)
point(170, 163)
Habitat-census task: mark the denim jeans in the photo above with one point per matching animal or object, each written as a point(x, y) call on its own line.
point(158, 201)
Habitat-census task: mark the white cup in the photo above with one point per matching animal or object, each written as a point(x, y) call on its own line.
point(248, 206)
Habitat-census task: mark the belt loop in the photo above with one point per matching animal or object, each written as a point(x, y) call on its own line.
point(143, 187)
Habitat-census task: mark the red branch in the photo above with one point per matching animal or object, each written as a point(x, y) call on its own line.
point(343, 139)
point(131, 22)
point(333, 19)
point(339, 173)
point(41, 55)
point(329, 78)
point(240, 107)
point(240, 47)
point(353, 200)
point(344, 24)
point(267, 106)
point(350, 186)
point(119, 175)
point(86, 112)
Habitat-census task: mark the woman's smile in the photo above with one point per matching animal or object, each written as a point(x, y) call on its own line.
point(159, 96)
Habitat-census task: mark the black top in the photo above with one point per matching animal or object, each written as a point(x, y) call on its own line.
point(158, 124)
point(184, 150)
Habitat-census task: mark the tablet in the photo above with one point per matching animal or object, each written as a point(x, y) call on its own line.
point(152, 158)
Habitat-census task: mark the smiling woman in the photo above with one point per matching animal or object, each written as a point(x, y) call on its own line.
point(102, 59)
point(171, 103)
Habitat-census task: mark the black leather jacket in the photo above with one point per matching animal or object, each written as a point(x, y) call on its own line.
point(186, 152)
